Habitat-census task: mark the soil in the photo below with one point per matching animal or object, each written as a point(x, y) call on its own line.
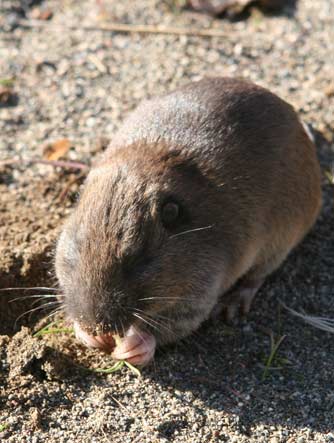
point(77, 85)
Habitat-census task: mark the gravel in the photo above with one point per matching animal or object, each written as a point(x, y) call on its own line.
point(78, 85)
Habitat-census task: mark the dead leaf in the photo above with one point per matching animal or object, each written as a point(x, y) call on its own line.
point(57, 149)
point(41, 14)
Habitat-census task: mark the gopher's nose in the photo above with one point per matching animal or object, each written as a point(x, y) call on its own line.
point(103, 341)
point(110, 320)
point(102, 306)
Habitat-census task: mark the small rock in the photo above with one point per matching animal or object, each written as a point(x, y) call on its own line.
point(329, 91)
point(8, 97)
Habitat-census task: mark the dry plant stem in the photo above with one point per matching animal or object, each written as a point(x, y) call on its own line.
point(330, 176)
point(126, 28)
point(56, 163)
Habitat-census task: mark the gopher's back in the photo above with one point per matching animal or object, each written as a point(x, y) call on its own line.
point(248, 138)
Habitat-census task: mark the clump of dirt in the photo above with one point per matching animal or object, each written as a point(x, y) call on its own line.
point(31, 214)
point(33, 208)
point(35, 358)
point(50, 357)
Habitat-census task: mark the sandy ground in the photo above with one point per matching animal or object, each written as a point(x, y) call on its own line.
point(77, 85)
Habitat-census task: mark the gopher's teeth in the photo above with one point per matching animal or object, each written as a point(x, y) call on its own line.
point(118, 339)
point(136, 347)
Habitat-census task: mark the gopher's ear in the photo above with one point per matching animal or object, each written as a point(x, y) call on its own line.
point(187, 165)
point(190, 170)
point(197, 174)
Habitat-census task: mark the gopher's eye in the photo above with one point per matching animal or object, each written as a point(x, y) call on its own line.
point(170, 213)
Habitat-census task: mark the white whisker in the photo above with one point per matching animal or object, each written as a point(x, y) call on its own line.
point(40, 296)
point(158, 323)
point(167, 298)
point(190, 230)
point(53, 313)
point(122, 326)
point(31, 311)
point(35, 288)
point(145, 321)
point(140, 335)
point(323, 323)
point(163, 317)
point(39, 300)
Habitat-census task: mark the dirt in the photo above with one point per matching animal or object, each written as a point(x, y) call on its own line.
point(77, 85)
point(30, 218)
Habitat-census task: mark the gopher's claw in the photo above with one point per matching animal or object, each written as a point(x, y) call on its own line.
point(136, 347)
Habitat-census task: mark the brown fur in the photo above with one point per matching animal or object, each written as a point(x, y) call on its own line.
point(239, 162)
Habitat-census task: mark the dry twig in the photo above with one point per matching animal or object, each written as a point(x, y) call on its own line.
point(128, 28)
point(56, 163)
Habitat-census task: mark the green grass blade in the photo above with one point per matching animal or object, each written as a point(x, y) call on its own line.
point(49, 329)
point(7, 82)
point(55, 331)
point(116, 367)
point(274, 349)
point(45, 328)
point(133, 369)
